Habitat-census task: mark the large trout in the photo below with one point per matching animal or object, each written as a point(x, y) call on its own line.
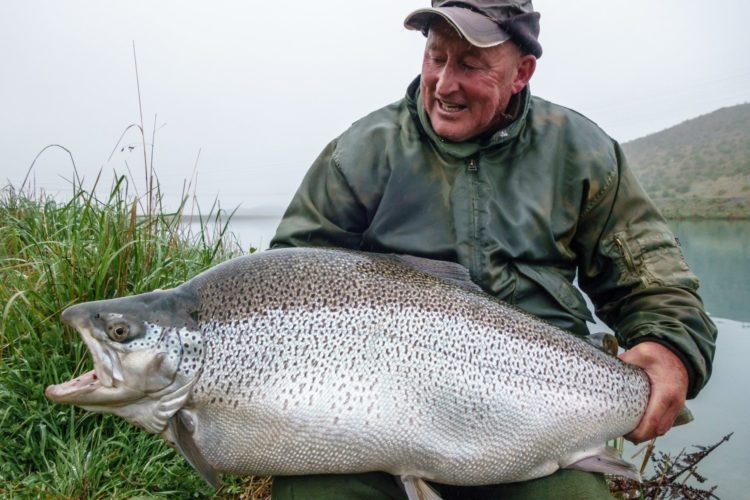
point(317, 361)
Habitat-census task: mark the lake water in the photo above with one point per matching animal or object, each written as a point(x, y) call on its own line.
point(719, 253)
point(254, 231)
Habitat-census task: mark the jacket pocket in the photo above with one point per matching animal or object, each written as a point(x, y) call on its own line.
point(646, 257)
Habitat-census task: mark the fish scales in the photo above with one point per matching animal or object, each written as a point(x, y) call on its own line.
point(307, 361)
point(371, 358)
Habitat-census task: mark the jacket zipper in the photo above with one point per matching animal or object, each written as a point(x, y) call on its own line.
point(626, 254)
point(472, 167)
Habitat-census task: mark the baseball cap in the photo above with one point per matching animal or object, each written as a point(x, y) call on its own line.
point(485, 23)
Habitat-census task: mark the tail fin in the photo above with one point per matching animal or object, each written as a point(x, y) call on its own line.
point(684, 417)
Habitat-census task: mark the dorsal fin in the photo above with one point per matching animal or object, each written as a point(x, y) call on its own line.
point(182, 427)
point(449, 271)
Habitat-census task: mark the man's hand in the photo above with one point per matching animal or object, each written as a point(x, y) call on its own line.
point(669, 384)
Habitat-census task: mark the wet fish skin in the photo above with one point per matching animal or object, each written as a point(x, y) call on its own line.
point(308, 361)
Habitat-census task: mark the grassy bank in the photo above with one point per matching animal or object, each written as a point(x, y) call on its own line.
point(55, 254)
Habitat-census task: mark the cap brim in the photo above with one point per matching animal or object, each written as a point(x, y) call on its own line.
point(477, 28)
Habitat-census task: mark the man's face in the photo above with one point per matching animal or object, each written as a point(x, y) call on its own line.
point(466, 89)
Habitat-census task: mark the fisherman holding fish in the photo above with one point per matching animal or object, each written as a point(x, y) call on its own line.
point(379, 358)
point(470, 167)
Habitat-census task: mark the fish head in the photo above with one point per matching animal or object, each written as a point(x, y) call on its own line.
point(146, 352)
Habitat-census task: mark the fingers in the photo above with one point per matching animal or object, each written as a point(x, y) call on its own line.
point(669, 382)
point(662, 409)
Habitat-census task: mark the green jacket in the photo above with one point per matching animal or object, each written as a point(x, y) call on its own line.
point(524, 210)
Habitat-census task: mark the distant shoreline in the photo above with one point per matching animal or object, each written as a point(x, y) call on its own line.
point(236, 216)
point(690, 208)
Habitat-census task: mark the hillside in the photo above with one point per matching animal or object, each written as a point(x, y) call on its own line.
point(699, 168)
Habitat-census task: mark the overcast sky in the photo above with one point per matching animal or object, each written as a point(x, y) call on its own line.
point(260, 87)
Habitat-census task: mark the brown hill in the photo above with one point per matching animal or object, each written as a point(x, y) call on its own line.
point(699, 168)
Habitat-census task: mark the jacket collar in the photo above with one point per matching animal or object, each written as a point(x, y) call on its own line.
point(471, 147)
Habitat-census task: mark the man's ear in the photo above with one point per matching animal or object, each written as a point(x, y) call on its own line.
point(525, 70)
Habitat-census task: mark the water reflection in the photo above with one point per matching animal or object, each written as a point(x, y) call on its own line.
point(719, 253)
point(719, 409)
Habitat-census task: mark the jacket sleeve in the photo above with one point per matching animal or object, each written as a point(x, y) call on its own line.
point(633, 269)
point(324, 211)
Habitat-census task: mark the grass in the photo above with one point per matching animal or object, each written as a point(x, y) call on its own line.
point(54, 254)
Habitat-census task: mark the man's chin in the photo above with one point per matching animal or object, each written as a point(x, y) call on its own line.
point(452, 127)
point(451, 133)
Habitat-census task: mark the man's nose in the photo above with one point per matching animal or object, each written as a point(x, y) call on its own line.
point(447, 82)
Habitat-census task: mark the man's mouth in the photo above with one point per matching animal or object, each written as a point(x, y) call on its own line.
point(450, 107)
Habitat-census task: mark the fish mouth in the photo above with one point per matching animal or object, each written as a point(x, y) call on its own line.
point(88, 391)
point(104, 385)
point(75, 389)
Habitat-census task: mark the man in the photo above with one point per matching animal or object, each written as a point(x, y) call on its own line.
point(470, 167)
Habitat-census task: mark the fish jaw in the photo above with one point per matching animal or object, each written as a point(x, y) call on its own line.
point(88, 391)
point(148, 411)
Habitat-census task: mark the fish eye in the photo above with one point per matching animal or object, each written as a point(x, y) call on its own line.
point(118, 331)
point(119, 327)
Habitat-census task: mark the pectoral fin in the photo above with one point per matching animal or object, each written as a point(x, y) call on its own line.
point(182, 427)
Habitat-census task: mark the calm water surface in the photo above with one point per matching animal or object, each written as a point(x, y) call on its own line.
point(719, 253)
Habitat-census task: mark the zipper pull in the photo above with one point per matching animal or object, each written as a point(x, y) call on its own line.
point(472, 164)
point(625, 251)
